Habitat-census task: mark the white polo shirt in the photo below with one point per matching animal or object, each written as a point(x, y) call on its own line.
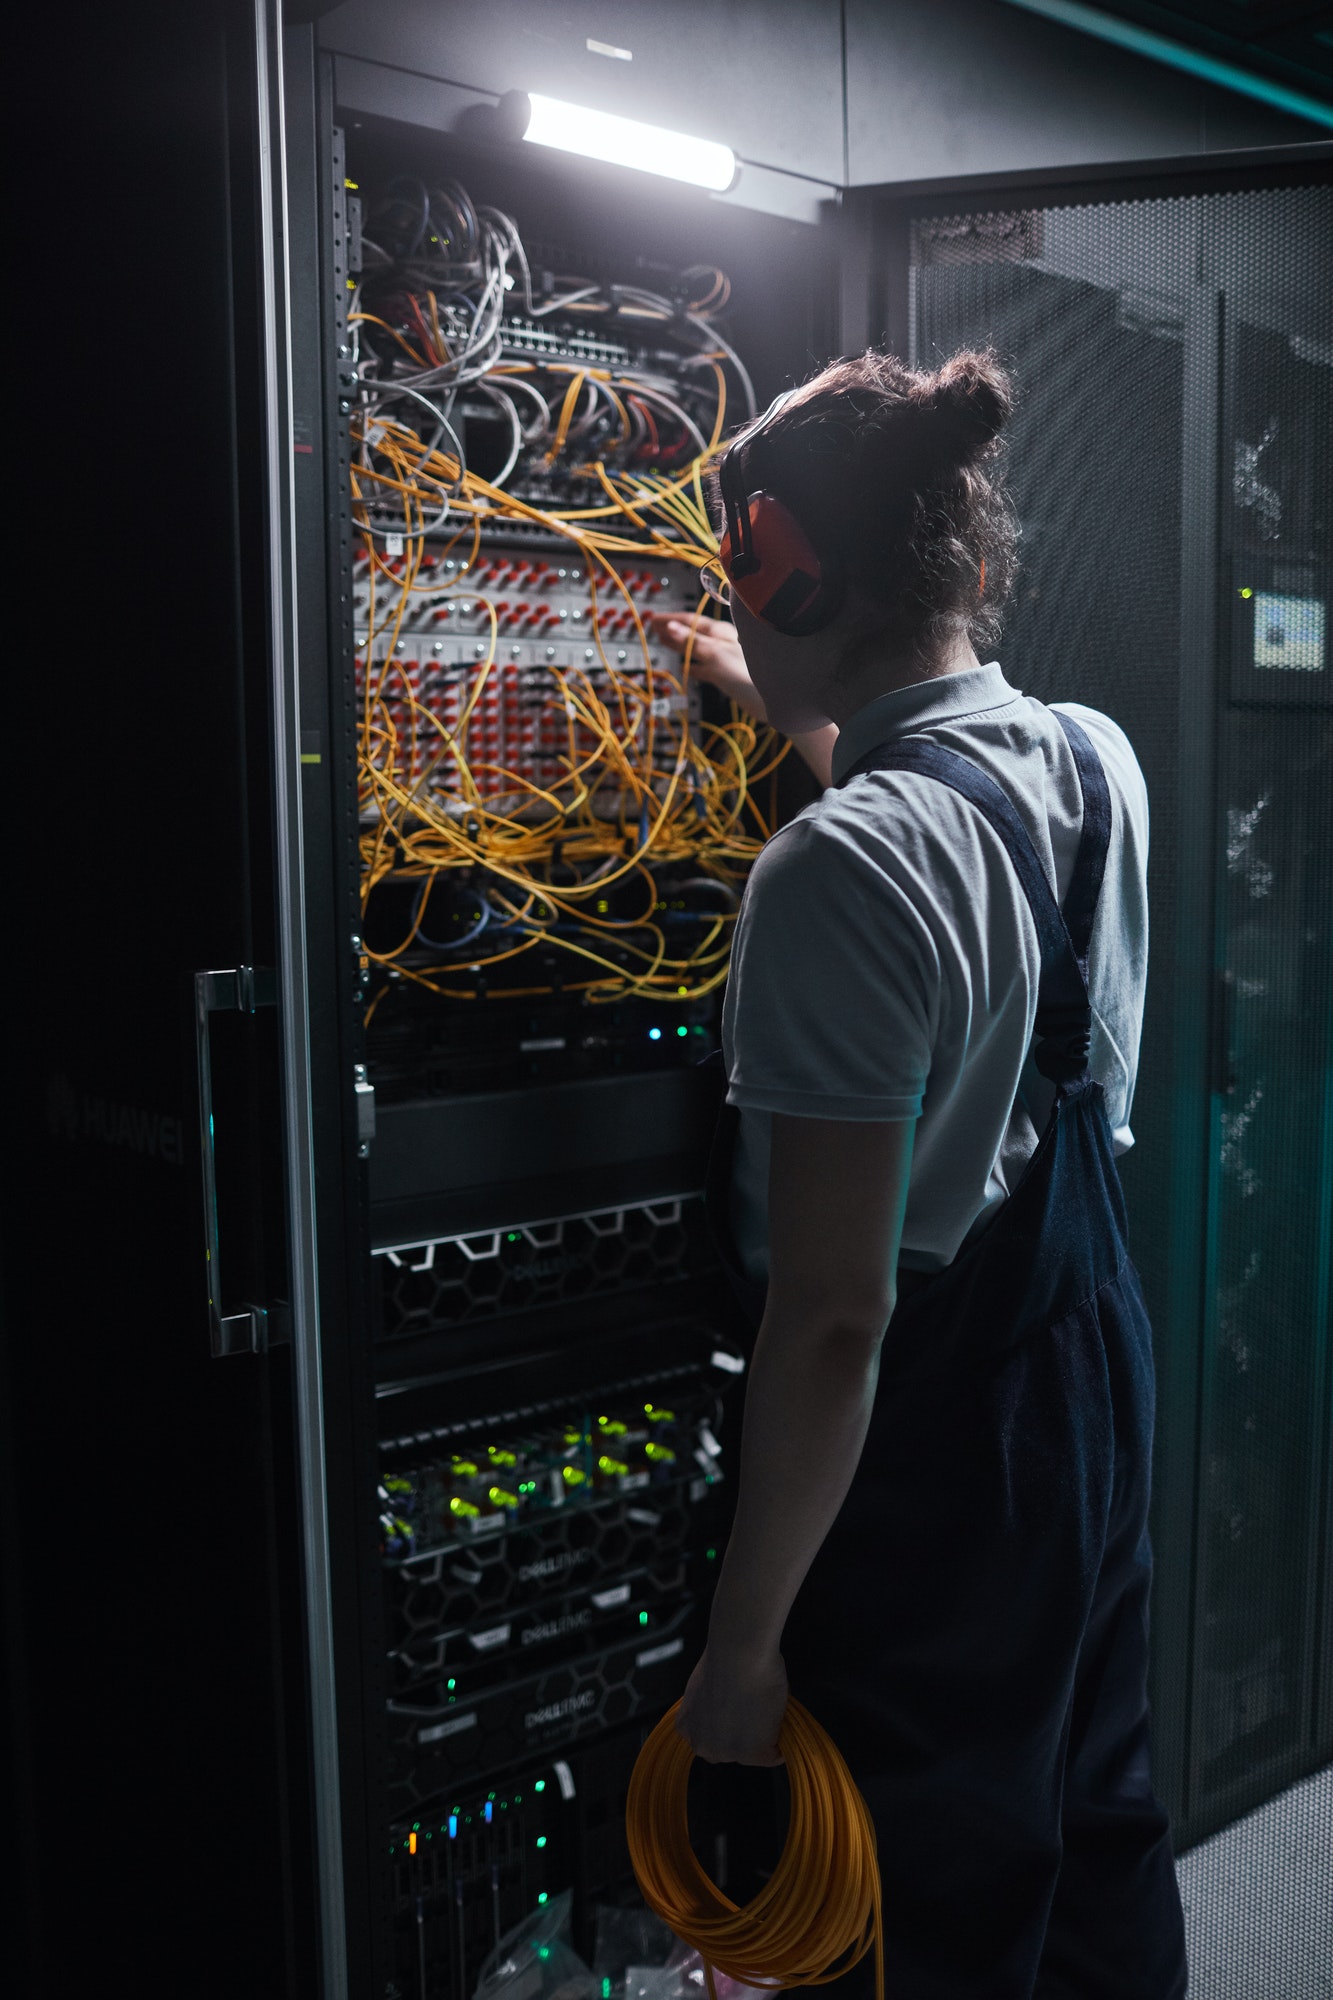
point(885, 961)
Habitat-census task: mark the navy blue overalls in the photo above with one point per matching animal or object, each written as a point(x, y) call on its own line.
point(973, 1632)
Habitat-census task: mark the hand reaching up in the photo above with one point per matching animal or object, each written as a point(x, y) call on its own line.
point(715, 656)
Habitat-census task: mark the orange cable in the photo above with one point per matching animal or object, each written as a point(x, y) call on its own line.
point(818, 1914)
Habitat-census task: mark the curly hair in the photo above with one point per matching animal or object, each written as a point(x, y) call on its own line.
point(896, 475)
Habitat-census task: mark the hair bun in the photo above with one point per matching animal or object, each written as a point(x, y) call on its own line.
point(972, 397)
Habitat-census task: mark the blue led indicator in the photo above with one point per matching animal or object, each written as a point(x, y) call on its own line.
point(487, 1812)
point(654, 1034)
point(453, 1826)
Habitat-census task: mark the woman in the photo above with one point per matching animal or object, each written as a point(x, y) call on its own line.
point(941, 1523)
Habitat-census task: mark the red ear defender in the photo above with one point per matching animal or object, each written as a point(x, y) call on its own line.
point(786, 587)
point(773, 566)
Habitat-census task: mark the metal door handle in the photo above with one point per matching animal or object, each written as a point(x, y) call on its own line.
point(238, 989)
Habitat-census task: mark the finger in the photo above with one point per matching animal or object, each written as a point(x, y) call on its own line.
point(679, 625)
point(707, 650)
point(677, 631)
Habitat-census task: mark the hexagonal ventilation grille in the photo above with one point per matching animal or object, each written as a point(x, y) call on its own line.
point(430, 1287)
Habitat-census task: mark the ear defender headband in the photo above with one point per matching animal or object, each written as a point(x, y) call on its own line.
point(771, 563)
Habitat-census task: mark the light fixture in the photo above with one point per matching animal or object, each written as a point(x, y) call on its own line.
point(624, 142)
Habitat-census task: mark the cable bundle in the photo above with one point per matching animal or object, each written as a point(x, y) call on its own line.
point(818, 1914)
point(608, 864)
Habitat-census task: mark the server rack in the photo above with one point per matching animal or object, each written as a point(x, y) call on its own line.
point(497, 1257)
point(277, 1454)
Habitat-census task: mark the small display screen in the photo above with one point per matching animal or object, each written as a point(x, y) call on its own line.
point(1288, 632)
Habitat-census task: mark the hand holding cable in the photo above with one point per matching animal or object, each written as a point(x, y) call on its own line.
point(732, 1708)
point(819, 1912)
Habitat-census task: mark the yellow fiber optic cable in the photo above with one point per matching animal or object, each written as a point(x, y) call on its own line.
point(818, 1914)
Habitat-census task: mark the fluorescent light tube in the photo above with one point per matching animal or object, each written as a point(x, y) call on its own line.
point(624, 142)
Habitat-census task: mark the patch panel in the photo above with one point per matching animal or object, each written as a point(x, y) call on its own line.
point(509, 668)
point(533, 1480)
point(535, 1477)
point(528, 337)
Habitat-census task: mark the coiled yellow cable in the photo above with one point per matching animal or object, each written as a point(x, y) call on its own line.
point(819, 1912)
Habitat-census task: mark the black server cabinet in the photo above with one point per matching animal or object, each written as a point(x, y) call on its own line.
point(513, 1239)
point(1171, 459)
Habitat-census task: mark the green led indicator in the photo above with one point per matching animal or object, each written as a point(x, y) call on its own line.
point(712, 1555)
point(606, 1989)
point(682, 1030)
point(643, 1618)
point(453, 1684)
point(541, 1840)
point(540, 1785)
point(513, 1236)
point(1247, 593)
point(542, 1897)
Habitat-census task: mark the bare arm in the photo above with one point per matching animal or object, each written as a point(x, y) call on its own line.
point(716, 657)
point(837, 1193)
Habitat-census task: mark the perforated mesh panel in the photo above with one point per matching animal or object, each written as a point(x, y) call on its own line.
point(1172, 465)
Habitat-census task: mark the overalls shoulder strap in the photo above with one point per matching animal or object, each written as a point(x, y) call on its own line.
point(1064, 1013)
point(1090, 866)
